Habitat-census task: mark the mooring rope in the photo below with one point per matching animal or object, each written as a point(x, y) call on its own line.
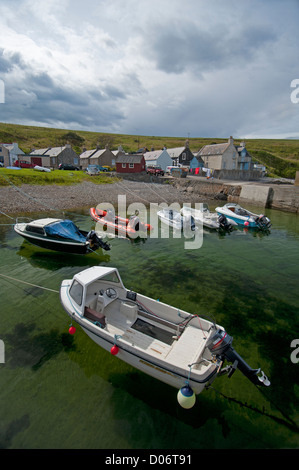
point(29, 284)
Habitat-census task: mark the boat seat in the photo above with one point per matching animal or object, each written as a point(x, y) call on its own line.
point(95, 316)
point(129, 311)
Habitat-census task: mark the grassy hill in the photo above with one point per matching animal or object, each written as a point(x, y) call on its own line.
point(281, 157)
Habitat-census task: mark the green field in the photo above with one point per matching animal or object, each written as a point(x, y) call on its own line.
point(61, 177)
point(281, 157)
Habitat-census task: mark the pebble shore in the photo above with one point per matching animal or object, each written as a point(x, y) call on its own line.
point(33, 198)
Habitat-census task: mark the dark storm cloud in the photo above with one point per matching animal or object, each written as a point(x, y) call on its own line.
point(39, 98)
point(9, 62)
point(177, 47)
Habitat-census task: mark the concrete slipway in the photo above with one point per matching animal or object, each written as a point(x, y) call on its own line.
point(270, 193)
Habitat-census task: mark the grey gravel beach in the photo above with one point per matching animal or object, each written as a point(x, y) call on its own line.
point(31, 198)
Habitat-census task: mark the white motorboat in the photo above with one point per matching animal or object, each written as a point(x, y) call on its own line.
point(176, 220)
point(183, 350)
point(206, 218)
point(235, 213)
point(59, 235)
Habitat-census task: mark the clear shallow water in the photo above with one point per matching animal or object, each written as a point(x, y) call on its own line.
point(62, 391)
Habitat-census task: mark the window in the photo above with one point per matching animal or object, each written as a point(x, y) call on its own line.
point(35, 229)
point(131, 165)
point(184, 156)
point(123, 165)
point(76, 292)
point(111, 277)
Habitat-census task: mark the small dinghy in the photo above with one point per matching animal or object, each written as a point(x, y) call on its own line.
point(59, 235)
point(208, 219)
point(131, 226)
point(176, 220)
point(183, 350)
point(235, 213)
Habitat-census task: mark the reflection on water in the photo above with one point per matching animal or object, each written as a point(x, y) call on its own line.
point(58, 389)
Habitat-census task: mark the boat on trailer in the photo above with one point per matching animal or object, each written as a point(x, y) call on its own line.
point(183, 350)
point(235, 213)
point(131, 226)
point(59, 235)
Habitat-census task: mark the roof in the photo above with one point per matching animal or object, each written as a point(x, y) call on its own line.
point(129, 158)
point(54, 151)
point(49, 151)
point(176, 152)
point(214, 149)
point(98, 153)
point(39, 151)
point(43, 222)
point(152, 155)
point(91, 274)
point(87, 153)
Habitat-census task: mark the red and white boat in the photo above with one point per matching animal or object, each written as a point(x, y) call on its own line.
point(131, 226)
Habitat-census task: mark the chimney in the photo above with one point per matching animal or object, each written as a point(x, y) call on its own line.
point(230, 140)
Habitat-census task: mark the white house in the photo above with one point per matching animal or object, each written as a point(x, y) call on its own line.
point(158, 158)
point(9, 153)
point(225, 156)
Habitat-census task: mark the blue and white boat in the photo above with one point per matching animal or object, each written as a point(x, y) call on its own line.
point(59, 235)
point(235, 213)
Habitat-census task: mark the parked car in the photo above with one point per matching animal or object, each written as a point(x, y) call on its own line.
point(95, 169)
point(23, 164)
point(154, 170)
point(67, 166)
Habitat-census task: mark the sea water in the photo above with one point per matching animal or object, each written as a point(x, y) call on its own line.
point(65, 392)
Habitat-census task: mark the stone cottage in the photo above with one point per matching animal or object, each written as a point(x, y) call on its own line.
point(225, 156)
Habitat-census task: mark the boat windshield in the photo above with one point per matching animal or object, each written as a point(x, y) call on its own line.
point(76, 292)
point(111, 277)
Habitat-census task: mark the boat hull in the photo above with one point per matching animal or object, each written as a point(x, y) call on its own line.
point(244, 218)
point(53, 245)
point(119, 225)
point(147, 365)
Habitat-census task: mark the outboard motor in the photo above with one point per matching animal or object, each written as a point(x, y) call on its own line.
point(223, 223)
point(96, 242)
point(189, 222)
point(134, 223)
point(220, 344)
point(263, 222)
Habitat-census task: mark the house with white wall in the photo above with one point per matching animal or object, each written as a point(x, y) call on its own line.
point(9, 153)
point(158, 158)
point(226, 156)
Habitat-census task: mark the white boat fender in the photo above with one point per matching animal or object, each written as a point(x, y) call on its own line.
point(186, 397)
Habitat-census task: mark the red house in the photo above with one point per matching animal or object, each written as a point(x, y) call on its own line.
point(134, 163)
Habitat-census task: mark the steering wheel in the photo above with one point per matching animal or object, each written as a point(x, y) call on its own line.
point(111, 293)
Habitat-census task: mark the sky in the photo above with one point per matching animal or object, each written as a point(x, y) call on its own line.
point(177, 68)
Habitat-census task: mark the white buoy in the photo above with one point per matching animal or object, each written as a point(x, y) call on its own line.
point(186, 397)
